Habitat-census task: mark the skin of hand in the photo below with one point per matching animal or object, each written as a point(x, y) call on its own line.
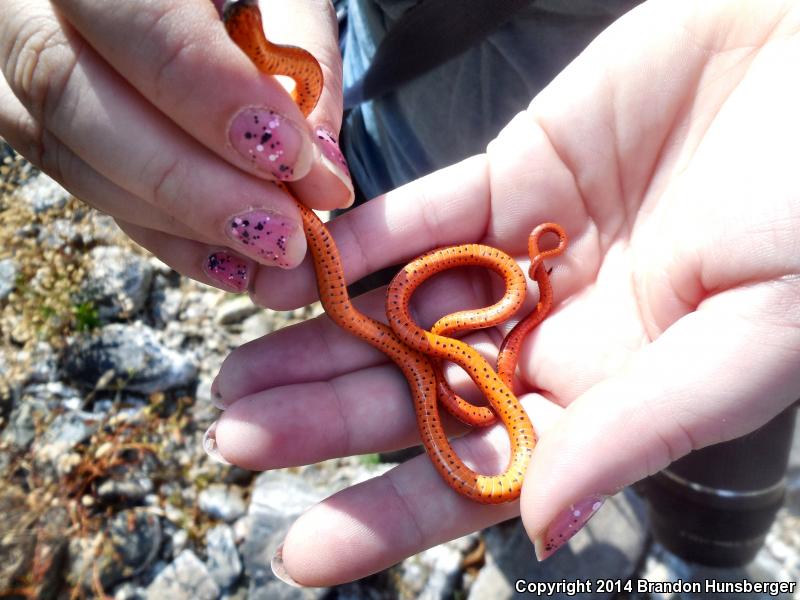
point(668, 151)
point(148, 112)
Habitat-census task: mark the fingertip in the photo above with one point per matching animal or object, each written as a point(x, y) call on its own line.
point(576, 464)
point(279, 568)
point(271, 238)
point(272, 144)
point(228, 270)
point(328, 185)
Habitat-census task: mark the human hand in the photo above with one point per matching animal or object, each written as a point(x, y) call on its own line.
point(141, 110)
point(668, 152)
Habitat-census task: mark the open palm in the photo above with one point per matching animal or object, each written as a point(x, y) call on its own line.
point(668, 151)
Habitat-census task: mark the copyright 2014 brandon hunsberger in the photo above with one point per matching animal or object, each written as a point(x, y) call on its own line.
point(643, 586)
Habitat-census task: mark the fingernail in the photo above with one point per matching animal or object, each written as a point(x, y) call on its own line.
point(229, 270)
point(333, 159)
point(268, 237)
point(565, 525)
point(210, 445)
point(330, 149)
point(279, 569)
point(216, 396)
point(271, 143)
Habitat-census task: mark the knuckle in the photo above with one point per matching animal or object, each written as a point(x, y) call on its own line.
point(39, 64)
point(168, 181)
point(172, 49)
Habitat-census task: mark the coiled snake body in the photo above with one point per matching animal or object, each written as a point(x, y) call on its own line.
point(417, 352)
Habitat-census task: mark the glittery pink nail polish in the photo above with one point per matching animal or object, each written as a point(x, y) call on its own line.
point(265, 235)
point(330, 149)
point(228, 269)
point(566, 524)
point(271, 143)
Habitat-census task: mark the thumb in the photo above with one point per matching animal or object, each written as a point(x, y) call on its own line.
point(312, 25)
point(717, 373)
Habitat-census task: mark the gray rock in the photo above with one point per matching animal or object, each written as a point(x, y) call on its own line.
point(133, 354)
point(129, 591)
point(61, 234)
point(9, 270)
point(608, 547)
point(186, 578)
point(43, 193)
point(264, 534)
point(200, 305)
point(119, 281)
point(53, 393)
point(164, 300)
point(203, 409)
point(66, 431)
point(277, 499)
point(130, 546)
point(256, 326)
point(34, 408)
point(222, 502)
point(223, 560)
point(435, 573)
point(283, 494)
point(41, 363)
point(235, 310)
point(131, 481)
point(176, 540)
point(134, 488)
point(103, 230)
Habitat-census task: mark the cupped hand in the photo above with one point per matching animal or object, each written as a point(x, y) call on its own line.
point(149, 112)
point(668, 151)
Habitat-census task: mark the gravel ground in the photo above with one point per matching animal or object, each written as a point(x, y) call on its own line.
point(106, 359)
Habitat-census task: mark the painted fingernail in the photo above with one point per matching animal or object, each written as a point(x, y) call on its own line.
point(331, 151)
point(268, 237)
point(567, 524)
point(229, 270)
point(210, 445)
point(279, 569)
point(333, 158)
point(271, 143)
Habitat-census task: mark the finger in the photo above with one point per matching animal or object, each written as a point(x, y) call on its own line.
point(364, 411)
point(424, 512)
point(68, 89)
point(206, 263)
point(717, 373)
point(393, 228)
point(312, 25)
point(458, 204)
point(75, 175)
point(17, 125)
point(318, 350)
point(178, 55)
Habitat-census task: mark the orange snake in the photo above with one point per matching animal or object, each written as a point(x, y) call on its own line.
point(408, 345)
